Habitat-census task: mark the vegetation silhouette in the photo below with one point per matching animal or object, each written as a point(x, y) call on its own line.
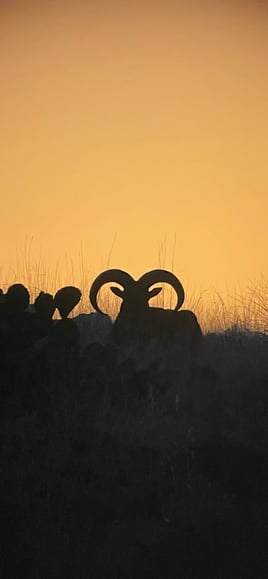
point(134, 445)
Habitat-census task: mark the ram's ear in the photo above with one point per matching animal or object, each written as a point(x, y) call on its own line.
point(154, 292)
point(117, 291)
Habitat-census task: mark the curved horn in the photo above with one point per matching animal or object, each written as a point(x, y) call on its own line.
point(110, 275)
point(164, 276)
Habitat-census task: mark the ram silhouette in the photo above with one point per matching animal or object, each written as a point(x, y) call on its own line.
point(137, 318)
point(167, 340)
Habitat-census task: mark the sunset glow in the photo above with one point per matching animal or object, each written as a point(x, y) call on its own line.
point(131, 129)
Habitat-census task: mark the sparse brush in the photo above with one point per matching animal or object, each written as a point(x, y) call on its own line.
point(215, 311)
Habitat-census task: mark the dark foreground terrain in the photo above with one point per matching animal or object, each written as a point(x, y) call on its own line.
point(153, 493)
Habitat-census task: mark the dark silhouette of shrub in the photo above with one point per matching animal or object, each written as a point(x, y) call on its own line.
point(66, 299)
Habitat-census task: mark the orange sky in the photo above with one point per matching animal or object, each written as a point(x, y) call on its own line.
point(126, 124)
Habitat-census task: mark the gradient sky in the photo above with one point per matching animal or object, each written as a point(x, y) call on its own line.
point(133, 127)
